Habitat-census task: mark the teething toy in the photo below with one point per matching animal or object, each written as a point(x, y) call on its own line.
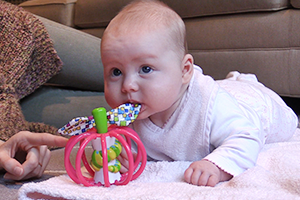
point(107, 143)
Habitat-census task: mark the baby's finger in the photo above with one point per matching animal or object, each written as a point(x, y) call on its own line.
point(124, 163)
point(188, 175)
point(212, 181)
point(195, 178)
point(203, 179)
point(123, 154)
point(123, 169)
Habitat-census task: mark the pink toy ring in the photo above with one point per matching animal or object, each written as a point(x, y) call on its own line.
point(113, 131)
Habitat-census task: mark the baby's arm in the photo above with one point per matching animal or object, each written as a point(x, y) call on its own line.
point(235, 141)
point(205, 173)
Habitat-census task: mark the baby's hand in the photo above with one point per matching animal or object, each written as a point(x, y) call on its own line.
point(123, 158)
point(205, 173)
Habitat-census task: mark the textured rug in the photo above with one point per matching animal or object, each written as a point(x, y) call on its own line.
point(276, 176)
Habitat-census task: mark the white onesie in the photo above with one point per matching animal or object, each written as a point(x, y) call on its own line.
point(226, 122)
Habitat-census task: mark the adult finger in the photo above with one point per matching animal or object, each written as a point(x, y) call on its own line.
point(31, 165)
point(12, 167)
point(37, 169)
point(45, 155)
point(45, 139)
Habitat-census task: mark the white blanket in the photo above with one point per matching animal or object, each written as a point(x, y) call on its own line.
point(276, 176)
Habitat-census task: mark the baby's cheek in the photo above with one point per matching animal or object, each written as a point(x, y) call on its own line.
point(111, 99)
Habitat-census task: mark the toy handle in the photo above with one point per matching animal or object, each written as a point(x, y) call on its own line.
point(100, 118)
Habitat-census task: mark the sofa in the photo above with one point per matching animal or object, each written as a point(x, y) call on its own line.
point(78, 88)
point(253, 36)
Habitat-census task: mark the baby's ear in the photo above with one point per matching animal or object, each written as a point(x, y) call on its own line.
point(187, 68)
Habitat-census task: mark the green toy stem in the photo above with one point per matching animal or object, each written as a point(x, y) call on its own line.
point(100, 118)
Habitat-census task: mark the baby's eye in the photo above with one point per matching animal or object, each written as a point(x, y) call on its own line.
point(116, 72)
point(146, 69)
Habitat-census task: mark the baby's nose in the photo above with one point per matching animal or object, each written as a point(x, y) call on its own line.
point(129, 85)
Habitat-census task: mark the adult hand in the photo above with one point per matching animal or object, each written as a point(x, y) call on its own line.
point(30, 148)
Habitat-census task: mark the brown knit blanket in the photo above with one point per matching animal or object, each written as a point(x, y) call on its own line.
point(27, 60)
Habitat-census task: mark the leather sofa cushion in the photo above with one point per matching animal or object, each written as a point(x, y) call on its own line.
point(61, 11)
point(56, 106)
point(80, 54)
point(295, 3)
point(98, 13)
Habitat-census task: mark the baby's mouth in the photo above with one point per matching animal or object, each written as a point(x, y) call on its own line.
point(133, 102)
point(137, 106)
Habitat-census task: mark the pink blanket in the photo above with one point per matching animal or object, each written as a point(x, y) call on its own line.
point(276, 176)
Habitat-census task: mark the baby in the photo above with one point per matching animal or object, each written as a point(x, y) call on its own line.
point(219, 125)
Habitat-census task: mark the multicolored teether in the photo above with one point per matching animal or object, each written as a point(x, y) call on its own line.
point(107, 143)
point(121, 116)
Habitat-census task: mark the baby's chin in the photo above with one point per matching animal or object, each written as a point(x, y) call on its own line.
point(142, 114)
point(140, 117)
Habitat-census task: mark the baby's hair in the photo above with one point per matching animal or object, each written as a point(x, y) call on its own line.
point(153, 14)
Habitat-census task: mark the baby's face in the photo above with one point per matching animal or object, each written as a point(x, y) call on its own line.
point(142, 69)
